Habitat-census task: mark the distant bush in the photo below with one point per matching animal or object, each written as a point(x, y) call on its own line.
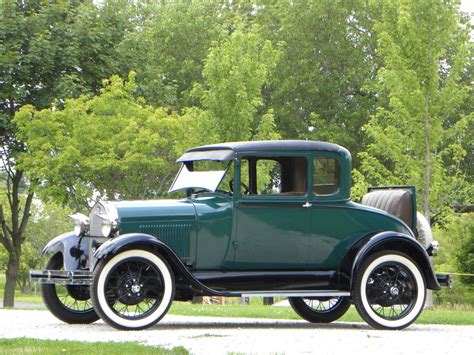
point(459, 294)
point(456, 255)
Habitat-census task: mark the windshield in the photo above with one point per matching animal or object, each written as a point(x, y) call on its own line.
point(202, 174)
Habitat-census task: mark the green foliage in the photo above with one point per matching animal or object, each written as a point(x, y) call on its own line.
point(111, 145)
point(464, 228)
point(235, 72)
point(460, 294)
point(418, 134)
point(169, 51)
point(327, 58)
point(456, 241)
point(456, 255)
point(54, 50)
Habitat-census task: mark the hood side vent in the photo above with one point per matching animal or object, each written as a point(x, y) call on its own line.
point(176, 235)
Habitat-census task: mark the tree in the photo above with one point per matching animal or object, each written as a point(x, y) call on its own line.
point(417, 134)
point(327, 58)
point(169, 50)
point(48, 50)
point(236, 72)
point(111, 145)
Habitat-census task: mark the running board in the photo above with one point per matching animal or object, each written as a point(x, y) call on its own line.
point(84, 277)
point(326, 293)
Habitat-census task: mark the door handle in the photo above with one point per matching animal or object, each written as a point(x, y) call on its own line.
point(307, 205)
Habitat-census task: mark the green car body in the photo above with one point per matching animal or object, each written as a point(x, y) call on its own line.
point(275, 219)
point(211, 231)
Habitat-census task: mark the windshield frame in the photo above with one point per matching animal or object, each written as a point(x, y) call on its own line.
point(207, 188)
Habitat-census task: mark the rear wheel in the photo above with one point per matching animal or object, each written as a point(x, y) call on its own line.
point(389, 290)
point(133, 290)
point(320, 310)
point(70, 303)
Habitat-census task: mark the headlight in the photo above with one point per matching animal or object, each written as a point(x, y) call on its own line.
point(81, 223)
point(103, 219)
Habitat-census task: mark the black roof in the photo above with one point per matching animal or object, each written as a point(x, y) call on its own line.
point(283, 145)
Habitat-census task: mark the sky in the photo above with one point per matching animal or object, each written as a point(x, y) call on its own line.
point(467, 6)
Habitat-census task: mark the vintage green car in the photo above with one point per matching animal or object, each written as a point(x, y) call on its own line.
point(268, 218)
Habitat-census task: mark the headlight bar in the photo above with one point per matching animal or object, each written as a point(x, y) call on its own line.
point(103, 219)
point(81, 223)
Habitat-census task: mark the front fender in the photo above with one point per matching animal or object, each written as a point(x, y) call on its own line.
point(146, 241)
point(128, 241)
point(74, 250)
point(400, 242)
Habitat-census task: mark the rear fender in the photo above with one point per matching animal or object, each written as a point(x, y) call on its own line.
point(399, 242)
point(74, 250)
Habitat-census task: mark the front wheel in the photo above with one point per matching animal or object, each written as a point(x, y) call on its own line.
point(69, 303)
point(389, 290)
point(133, 290)
point(320, 310)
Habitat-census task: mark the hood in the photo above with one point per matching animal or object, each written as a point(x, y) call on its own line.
point(171, 221)
point(155, 211)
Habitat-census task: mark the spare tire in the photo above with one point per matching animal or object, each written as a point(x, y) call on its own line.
point(423, 228)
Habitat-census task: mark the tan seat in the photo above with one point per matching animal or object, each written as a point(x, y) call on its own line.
point(397, 202)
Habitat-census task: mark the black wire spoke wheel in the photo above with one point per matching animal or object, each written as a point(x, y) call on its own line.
point(323, 305)
point(69, 303)
point(389, 290)
point(75, 298)
point(320, 310)
point(133, 289)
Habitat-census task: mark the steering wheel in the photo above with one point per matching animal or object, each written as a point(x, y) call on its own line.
point(246, 188)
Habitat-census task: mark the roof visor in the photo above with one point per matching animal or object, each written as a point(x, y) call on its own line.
point(217, 154)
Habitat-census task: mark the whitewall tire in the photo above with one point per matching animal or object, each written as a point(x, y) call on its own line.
point(389, 290)
point(133, 290)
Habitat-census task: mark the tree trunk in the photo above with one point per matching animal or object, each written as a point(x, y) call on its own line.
point(426, 192)
point(12, 237)
point(11, 277)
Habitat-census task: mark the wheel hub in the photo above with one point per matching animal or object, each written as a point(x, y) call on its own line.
point(394, 291)
point(135, 288)
point(80, 293)
point(130, 290)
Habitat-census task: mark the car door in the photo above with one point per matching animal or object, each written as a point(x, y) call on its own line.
point(271, 223)
point(333, 223)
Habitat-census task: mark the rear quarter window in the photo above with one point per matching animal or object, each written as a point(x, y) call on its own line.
point(325, 176)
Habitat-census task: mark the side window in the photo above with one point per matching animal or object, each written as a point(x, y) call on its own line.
point(279, 175)
point(325, 176)
point(268, 177)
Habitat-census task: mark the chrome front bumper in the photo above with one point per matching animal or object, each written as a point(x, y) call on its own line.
point(77, 277)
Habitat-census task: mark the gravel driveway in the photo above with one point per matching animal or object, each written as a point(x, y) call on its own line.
point(208, 335)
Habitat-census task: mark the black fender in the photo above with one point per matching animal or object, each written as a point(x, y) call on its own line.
point(399, 242)
point(151, 243)
point(74, 249)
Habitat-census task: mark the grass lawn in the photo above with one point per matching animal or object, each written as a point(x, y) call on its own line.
point(453, 316)
point(33, 346)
